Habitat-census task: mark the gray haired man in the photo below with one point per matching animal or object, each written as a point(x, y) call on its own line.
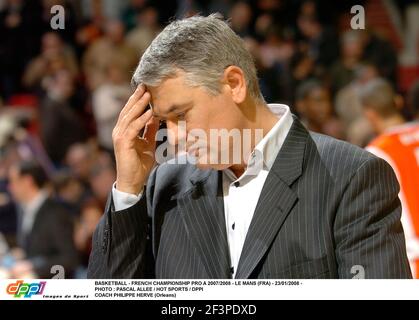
point(293, 205)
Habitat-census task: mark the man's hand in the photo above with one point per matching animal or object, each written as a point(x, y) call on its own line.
point(134, 155)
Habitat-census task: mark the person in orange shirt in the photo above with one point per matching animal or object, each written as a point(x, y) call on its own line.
point(397, 142)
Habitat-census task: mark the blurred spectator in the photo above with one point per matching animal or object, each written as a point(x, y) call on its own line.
point(302, 69)
point(17, 143)
point(80, 159)
point(273, 61)
point(111, 48)
point(241, 16)
point(60, 126)
point(147, 28)
point(90, 27)
point(108, 101)
point(380, 52)
point(55, 56)
point(129, 14)
point(102, 178)
point(349, 109)
point(413, 100)
point(70, 191)
point(342, 71)
point(8, 217)
point(397, 143)
point(320, 42)
point(314, 106)
point(381, 105)
point(45, 229)
point(108, 8)
point(20, 29)
point(90, 214)
point(4, 248)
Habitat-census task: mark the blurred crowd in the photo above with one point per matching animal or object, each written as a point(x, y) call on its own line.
point(61, 92)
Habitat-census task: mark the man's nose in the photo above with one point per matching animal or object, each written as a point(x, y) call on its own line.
point(176, 131)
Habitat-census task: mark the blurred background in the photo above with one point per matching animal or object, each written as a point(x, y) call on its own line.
point(61, 92)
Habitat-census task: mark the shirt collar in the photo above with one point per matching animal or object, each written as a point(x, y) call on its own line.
point(265, 152)
point(270, 145)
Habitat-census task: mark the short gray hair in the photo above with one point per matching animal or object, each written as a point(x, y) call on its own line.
point(379, 95)
point(200, 46)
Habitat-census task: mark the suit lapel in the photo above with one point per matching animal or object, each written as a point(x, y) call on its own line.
point(202, 211)
point(276, 200)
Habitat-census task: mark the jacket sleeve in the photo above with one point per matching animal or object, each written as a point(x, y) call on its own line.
point(122, 240)
point(62, 250)
point(369, 238)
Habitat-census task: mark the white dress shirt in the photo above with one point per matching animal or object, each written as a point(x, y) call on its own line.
point(240, 195)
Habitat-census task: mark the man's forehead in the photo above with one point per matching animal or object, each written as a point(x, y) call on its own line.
point(167, 87)
point(170, 92)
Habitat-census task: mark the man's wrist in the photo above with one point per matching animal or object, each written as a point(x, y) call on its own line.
point(131, 189)
point(123, 200)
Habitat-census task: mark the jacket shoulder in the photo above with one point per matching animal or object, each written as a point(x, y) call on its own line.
point(341, 158)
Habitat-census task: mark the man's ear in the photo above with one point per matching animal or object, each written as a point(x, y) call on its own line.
point(235, 82)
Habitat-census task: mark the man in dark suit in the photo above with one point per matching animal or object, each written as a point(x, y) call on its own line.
point(263, 199)
point(45, 229)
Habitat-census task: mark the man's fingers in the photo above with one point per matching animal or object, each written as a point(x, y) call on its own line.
point(134, 128)
point(135, 112)
point(151, 128)
point(133, 99)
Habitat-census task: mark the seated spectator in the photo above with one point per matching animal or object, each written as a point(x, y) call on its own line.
point(70, 191)
point(146, 30)
point(107, 102)
point(241, 17)
point(314, 106)
point(55, 55)
point(129, 14)
point(21, 29)
point(45, 229)
point(102, 177)
point(274, 57)
point(90, 214)
point(60, 125)
point(80, 159)
point(8, 216)
point(111, 48)
point(380, 52)
point(348, 106)
point(343, 71)
point(320, 41)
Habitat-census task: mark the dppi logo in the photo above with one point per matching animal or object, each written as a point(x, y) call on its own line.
point(27, 290)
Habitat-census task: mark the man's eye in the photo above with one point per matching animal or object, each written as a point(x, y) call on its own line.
point(180, 116)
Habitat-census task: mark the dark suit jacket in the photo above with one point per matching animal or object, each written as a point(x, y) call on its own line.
point(327, 208)
point(50, 241)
